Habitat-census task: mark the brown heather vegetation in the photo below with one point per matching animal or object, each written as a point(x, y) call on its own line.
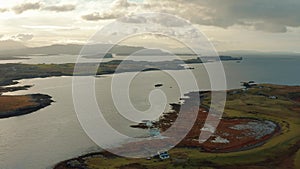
point(12, 103)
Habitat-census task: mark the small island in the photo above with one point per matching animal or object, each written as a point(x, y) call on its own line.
point(99, 56)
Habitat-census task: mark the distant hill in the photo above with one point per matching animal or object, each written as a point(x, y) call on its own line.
point(17, 49)
point(74, 49)
point(10, 45)
point(257, 53)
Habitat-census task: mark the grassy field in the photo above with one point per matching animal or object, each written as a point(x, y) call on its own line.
point(281, 151)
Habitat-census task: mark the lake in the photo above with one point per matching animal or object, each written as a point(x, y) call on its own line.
point(43, 138)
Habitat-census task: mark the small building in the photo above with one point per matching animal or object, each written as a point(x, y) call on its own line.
point(273, 97)
point(249, 84)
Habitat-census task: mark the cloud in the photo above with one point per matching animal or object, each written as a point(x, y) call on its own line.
point(22, 37)
point(38, 6)
point(167, 22)
point(270, 27)
point(26, 6)
point(273, 16)
point(133, 19)
point(95, 16)
point(50, 27)
point(60, 8)
point(122, 4)
point(264, 15)
point(163, 20)
point(3, 10)
point(119, 8)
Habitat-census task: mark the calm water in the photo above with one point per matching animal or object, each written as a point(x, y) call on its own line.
point(51, 59)
point(43, 138)
point(276, 70)
point(61, 59)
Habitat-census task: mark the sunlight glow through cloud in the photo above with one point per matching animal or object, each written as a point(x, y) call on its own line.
point(230, 30)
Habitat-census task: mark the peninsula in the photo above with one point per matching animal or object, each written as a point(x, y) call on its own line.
point(257, 131)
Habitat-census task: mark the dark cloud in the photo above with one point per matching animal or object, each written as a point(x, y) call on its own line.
point(23, 37)
point(26, 6)
point(264, 15)
point(60, 8)
point(270, 27)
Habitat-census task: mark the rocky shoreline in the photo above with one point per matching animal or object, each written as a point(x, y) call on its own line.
point(12, 89)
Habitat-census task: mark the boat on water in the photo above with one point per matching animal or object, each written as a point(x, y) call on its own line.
point(158, 85)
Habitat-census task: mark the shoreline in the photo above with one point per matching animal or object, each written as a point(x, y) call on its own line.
point(251, 155)
point(18, 71)
point(259, 146)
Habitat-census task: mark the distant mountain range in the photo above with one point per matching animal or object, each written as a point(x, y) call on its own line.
point(75, 49)
point(10, 45)
point(93, 50)
point(245, 53)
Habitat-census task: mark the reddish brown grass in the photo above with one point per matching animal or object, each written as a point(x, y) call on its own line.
point(11, 103)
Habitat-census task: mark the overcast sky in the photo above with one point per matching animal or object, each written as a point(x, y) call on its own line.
point(262, 25)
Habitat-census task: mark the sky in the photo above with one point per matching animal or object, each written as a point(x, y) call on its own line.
point(260, 25)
